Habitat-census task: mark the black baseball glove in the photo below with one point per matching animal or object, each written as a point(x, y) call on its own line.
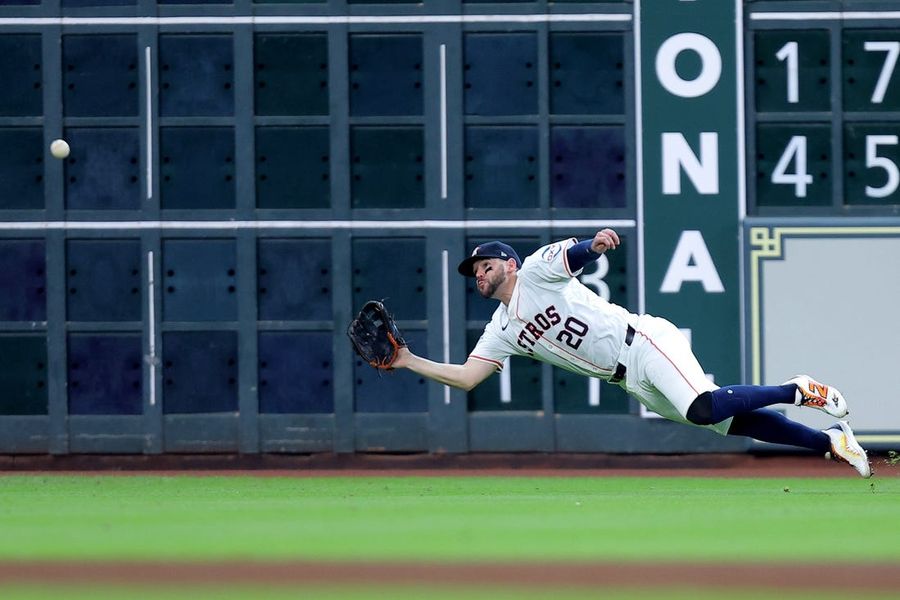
point(375, 336)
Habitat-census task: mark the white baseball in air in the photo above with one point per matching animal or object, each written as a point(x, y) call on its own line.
point(59, 148)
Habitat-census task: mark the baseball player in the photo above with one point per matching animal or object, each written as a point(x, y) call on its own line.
point(546, 313)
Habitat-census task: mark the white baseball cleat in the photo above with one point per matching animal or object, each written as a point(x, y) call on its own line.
point(818, 395)
point(845, 447)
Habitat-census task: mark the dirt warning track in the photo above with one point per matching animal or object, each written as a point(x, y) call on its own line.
point(531, 575)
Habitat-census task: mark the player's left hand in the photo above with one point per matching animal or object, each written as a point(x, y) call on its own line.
point(375, 336)
point(606, 239)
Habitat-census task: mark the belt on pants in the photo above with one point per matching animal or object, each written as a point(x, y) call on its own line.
point(619, 374)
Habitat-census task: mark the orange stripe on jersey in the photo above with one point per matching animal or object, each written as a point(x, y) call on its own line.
point(565, 254)
point(518, 301)
point(566, 263)
point(499, 365)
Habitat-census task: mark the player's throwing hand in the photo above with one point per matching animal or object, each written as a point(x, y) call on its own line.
point(606, 239)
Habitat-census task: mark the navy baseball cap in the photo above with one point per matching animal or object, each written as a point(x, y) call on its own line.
point(488, 250)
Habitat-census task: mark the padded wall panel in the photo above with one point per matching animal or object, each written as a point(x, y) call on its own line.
point(21, 72)
point(197, 167)
point(196, 77)
point(385, 74)
point(772, 143)
point(201, 433)
point(23, 280)
point(22, 168)
point(297, 433)
point(23, 375)
point(588, 167)
point(200, 372)
point(481, 309)
point(500, 73)
point(400, 392)
point(394, 432)
point(199, 280)
point(525, 385)
point(107, 434)
point(294, 280)
point(293, 167)
point(770, 74)
point(291, 74)
point(295, 372)
point(195, 1)
point(103, 171)
point(587, 73)
point(393, 270)
point(105, 374)
point(73, 3)
point(100, 75)
point(388, 167)
point(570, 396)
point(28, 434)
point(502, 167)
point(103, 280)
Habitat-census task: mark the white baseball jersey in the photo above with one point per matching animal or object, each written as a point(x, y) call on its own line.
point(555, 318)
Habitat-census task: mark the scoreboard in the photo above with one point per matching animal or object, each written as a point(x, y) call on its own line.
point(825, 96)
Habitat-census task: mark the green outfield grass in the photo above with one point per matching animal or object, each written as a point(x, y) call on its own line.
point(447, 519)
point(404, 593)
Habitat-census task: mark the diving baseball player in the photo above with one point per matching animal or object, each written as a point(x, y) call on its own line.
point(546, 313)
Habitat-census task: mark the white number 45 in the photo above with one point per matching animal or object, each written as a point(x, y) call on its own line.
point(795, 152)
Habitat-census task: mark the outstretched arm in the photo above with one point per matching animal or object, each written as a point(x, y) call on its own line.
point(465, 376)
point(587, 251)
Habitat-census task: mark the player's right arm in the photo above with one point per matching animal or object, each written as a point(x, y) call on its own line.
point(585, 252)
point(465, 376)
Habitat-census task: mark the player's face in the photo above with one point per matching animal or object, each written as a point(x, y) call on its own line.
point(490, 274)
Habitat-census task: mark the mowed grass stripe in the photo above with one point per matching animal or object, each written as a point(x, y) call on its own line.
point(448, 519)
point(163, 592)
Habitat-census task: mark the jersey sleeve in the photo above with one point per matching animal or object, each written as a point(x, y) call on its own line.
point(491, 348)
point(550, 263)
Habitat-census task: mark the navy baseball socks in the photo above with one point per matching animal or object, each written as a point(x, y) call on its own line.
point(718, 405)
point(746, 404)
point(770, 426)
point(837, 442)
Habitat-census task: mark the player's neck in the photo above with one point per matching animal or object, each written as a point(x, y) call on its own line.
point(505, 291)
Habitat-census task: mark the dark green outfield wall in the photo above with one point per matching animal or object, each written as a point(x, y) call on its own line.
point(244, 175)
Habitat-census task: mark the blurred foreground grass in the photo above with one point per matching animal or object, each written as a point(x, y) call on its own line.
point(447, 519)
